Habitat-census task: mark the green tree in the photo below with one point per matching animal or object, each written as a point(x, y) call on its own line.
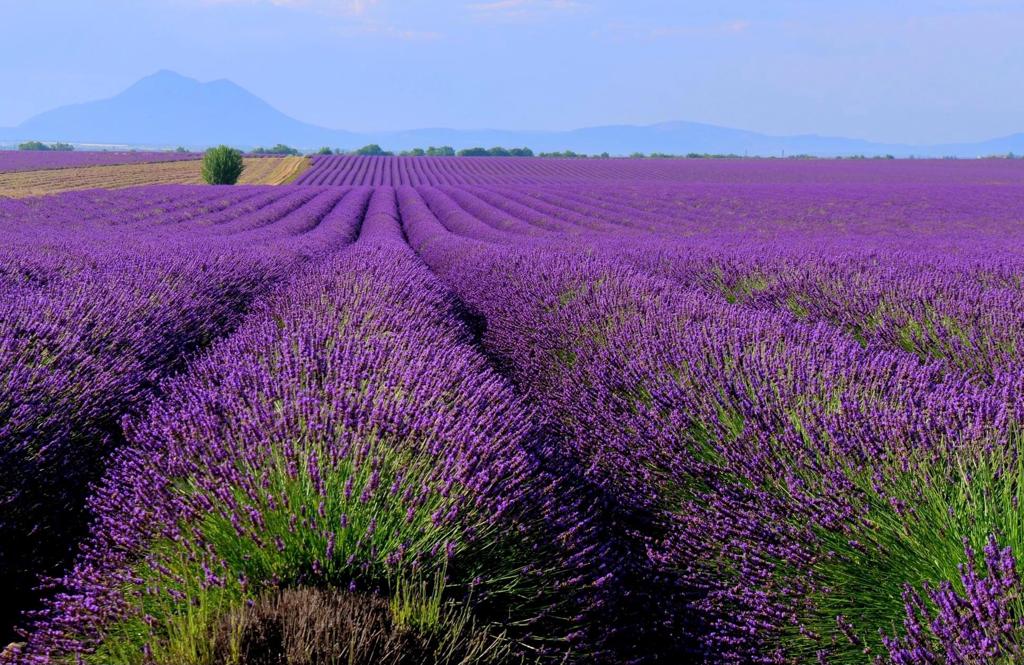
point(325, 151)
point(222, 165)
point(33, 145)
point(279, 149)
point(442, 151)
point(372, 149)
point(473, 152)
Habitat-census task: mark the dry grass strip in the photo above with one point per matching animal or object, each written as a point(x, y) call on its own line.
point(285, 170)
point(258, 171)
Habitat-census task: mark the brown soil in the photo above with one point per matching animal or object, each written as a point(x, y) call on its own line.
point(258, 171)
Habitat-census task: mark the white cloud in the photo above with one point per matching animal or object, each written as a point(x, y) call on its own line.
point(521, 8)
point(624, 32)
point(337, 7)
point(727, 28)
point(378, 29)
point(355, 17)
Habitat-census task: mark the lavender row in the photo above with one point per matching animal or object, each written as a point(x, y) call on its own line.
point(799, 486)
point(612, 173)
point(93, 314)
point(31, 160)
point(347, 436)
point(939, 297)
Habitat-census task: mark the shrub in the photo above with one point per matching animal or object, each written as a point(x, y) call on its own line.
point(222, 165)
point(325, 151)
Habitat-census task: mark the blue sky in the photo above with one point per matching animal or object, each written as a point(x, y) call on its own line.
point(909, 71)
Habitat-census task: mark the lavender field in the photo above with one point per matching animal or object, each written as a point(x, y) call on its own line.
point(513, 410)
point(14, 161)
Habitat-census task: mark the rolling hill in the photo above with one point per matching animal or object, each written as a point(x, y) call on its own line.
point(167, 109)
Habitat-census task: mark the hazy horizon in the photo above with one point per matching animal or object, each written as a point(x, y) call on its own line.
point(924, 73)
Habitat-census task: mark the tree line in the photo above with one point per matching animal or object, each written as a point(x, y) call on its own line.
point(432, 151)
point(374, 149)
point(39, 145)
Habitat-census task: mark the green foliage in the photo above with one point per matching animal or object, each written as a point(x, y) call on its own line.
point(374, 150)
point(39, 145)
point(418, 603)
point(324, 151)
point(565, 154)
point(222, 165)
point(496, 151)
point(706, 155)
point(910, 517)
point(181, 149)
point(962, 497)
point(415, 152)
point(378, 543)
point(443, 151)
point(279, 149)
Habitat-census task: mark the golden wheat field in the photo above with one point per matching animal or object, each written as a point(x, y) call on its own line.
point(258, 171)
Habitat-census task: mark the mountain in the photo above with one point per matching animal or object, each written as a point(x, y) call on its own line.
point(167, 109)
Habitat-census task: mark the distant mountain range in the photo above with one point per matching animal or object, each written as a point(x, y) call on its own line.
point(167, 109)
